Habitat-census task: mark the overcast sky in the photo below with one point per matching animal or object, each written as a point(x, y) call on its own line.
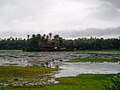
point(69, 18)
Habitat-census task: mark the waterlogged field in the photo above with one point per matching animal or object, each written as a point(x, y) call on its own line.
point(41, 70)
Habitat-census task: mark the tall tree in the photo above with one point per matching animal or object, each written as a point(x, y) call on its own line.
point(28, 36)
point(50, 34)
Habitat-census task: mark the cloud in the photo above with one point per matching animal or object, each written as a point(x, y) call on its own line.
point(89, 32)
point(92, 32)
point(18, 34)
point(44, 16)
point(115, 3)
point(108, 11)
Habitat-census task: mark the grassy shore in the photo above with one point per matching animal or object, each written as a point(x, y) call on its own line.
point(94, 59)
point(8, 51)
point(81, 82)
point(11, 51)
point(28, 70)
point(99, 50)
point(22, 76)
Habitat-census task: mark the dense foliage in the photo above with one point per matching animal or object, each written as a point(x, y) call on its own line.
point(47, 42)
point(12, 44)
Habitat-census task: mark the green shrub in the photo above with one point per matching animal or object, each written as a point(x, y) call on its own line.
point(115, 83)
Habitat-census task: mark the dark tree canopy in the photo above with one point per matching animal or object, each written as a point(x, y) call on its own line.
point(49, 42)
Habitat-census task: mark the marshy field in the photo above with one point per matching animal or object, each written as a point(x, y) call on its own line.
point(72, 70)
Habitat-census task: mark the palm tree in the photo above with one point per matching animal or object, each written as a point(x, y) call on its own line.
point(38, 36)
point(43, 37)
point(56, 37)
point(47, 37)
point(28, 36)
point(33, 36)
point(50, 34)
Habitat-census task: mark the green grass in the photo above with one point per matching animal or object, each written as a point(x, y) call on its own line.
point(81, 82)
point(94, 59)
point(10, 51)
point(115, 83)
point(11, 74)
point(99, 50)
point(18, 51)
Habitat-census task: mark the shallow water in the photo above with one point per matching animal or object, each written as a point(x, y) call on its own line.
point(74, 69)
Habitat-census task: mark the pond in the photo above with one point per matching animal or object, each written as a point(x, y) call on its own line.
point(74, 69)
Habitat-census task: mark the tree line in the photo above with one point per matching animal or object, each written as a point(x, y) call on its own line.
point(48, 42)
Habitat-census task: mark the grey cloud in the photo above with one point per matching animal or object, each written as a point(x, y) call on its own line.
point(90, 32)
point(3, 2)
point(23, 9)
point(18, 34)
point(95, 32)
point(109, 10)
point(107, 13)
point(115, 3)
point(57, 15)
